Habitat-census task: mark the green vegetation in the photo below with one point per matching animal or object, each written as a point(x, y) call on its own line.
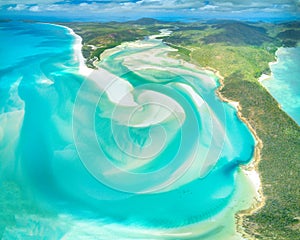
point(183, 52)
point(241, 52)
point(97, 37)
point(288, 33)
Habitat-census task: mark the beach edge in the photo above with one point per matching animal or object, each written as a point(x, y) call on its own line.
point(252, 166)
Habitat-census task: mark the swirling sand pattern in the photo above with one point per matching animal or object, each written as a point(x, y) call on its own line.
point(142, 142)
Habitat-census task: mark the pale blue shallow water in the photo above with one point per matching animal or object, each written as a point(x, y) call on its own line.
point(70, 149)
point(284, 84)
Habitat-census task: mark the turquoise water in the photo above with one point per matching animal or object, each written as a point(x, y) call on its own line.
point(142, 143)
point(284, 84)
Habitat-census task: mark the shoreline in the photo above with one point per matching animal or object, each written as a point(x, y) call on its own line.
point(264, 76)
point(250, 169)
point(271, 80)
point(77, 45)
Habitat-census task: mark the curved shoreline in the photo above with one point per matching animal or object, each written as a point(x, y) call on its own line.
point(285, 79)
point(252, 166)
point(259, 200)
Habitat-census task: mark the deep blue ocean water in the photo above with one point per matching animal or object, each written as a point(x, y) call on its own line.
point(154, 148)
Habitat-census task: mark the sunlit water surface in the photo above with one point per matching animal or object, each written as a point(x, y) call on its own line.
point(284, 83)
point(142, 148)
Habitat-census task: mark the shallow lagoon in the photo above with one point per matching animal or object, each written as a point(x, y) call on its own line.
point(141, 148)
